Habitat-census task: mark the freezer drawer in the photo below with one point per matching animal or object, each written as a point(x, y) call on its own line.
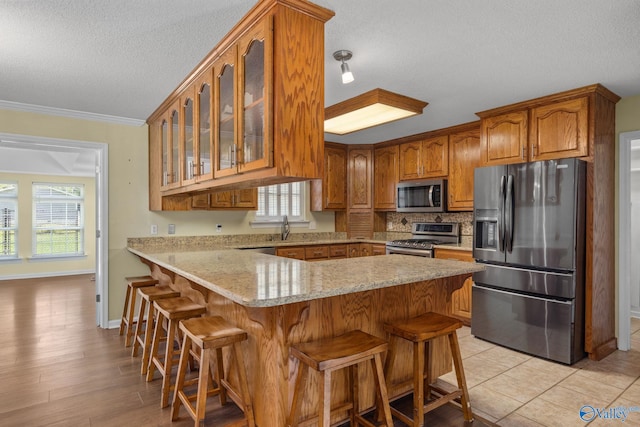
point(534, 325)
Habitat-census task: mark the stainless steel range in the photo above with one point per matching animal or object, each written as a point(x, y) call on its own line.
point(424, 236)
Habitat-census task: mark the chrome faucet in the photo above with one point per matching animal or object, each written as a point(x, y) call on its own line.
point(285, 228)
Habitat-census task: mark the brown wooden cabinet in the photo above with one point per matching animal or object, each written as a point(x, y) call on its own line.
point(330, 193)
point(297, 252)
point(267, 98)
point(560, 130)
point(385, 177)
point(378, 249)
point(233, 200)
point(549, 130)
point(460, 299)
point(331, 251)
point(503, 138)
point(360, 170)
point(428, 158)
point(464, 157)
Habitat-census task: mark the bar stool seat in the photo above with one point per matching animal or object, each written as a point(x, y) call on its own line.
point(420, 331)
point(330, 354)
point(127, 323)
point(142, 339)
point(171, 310)
point(210, 334)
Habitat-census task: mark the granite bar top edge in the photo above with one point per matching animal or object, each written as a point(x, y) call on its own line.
point(216, 271)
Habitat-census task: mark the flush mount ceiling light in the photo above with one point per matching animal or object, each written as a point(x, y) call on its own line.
point(370, 109)
point(342, 56)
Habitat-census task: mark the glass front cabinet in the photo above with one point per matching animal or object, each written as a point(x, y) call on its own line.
point(218, 130)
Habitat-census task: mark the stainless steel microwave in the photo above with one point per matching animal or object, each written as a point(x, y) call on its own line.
point(422, 196)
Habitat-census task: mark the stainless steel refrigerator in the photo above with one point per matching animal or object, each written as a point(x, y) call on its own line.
point(529, 230)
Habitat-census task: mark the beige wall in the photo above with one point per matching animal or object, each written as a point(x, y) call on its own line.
point(26, 267)
point(128, 199)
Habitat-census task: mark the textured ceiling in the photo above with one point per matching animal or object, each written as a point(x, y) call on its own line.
point(122, 58)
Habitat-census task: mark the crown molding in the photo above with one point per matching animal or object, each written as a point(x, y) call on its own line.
point(52, 111)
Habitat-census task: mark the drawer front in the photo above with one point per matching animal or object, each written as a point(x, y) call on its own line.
point(316, 252)
point(338, 251)
point(296, 253)
point(454, 254)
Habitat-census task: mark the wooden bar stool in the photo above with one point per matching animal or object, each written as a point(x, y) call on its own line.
point(210, 334)
point(330, 354)
point(420, 331)
point(142, 339)
point(127, 322)
point(171, 310)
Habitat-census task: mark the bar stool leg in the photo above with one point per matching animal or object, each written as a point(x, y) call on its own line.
point(203, 384)
point(148, 338)
point(462, 381)
point(124, 311)
point(244, 384)
point(353, 371)
point(158, 333)
point(168, 363)
point(180, 378)
point(301, 378)
point(325, 396)
point(141, 320)
point(418, 384)
point(378, 376)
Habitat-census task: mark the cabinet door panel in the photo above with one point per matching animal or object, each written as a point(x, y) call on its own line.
point(410, 154)
point(360, 174)
point(435, 157)
point(335, 181)
point(464, 156)
point(225, 112)
point(255, 71)
point(385, 177)
point(247, 198)
point(503, 139)
point(204, 119)
point(560, 130)
point(189, 160)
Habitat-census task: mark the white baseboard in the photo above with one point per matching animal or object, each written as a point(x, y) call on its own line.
point(114, 324)
point(50, 274)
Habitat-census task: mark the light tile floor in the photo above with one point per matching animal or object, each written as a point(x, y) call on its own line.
point(509, 388)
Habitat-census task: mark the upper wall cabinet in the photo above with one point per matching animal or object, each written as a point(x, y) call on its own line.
point(552, 127)
point(385, 177)
point(330, 193)
point(464, 157)
point(251, 113)
point(424, 159)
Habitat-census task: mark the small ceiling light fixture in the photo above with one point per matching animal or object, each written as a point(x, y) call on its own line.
point(372, 108)
point(342, 56)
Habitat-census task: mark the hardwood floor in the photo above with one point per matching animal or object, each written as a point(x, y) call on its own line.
point(57, 368)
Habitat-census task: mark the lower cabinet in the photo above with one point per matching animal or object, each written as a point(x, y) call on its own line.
point(460, 299)
point(325, 252)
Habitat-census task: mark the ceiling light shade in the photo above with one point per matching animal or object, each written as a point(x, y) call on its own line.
point(370, 109)
point(342, 56)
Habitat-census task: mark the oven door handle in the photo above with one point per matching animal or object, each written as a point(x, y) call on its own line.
point(392, 250)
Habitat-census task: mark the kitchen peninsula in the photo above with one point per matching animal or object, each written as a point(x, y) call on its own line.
point(280, 301)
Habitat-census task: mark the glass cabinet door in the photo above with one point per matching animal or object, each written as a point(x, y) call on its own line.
point(255, 87)
point(225, 90)
point(164, 138)
point(174, 161)
point(205, 137)
point(189, 161)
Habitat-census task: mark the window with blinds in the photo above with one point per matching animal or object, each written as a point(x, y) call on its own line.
point(58, 220)
point(8, 220)
point(275, 201)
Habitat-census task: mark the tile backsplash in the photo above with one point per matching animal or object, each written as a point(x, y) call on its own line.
point(401, 222)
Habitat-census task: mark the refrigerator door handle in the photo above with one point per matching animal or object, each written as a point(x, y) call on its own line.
point(501, 215)
point(509, 215)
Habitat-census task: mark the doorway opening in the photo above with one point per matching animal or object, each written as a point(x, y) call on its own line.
point(629, 233)
point(92, 155)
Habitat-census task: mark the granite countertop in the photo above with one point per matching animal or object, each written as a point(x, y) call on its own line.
point(259, 280)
